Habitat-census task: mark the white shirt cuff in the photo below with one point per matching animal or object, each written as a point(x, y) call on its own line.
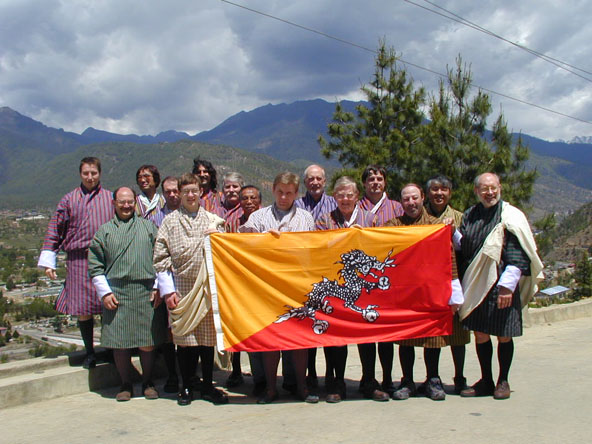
point(166, 283)
point(47, 259)
point(510, 278)
point(456, 238)
point(102, 286)
point(457, 296)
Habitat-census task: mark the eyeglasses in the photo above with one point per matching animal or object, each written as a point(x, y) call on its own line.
point(188, 191)
point(125, 202)
point(485, 190)
point(341, 196)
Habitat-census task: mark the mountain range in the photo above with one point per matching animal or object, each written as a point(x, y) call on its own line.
point(37, 162)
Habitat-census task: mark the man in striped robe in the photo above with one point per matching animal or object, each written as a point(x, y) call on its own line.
point(149, 202)
point(211, 198)
point(77, 218)
point(231, 186)
point(377, 202)
point(500, 269)
point(317, 203)
point(412, 198)
point(121, 269)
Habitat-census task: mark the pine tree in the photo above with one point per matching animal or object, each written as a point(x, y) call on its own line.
point(390, 133)
point(383, 133)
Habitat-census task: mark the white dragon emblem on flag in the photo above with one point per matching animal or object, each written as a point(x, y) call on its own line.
point(356, 266)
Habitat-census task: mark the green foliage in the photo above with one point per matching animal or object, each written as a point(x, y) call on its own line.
point(391, 133)
point(50, 351)
point(583, 276)
point(544, 238)
point(10, 285)
point(36, 310)
point(387, 132)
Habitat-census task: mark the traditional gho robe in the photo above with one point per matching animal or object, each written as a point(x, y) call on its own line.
point(324, 205)
point(233, 219)
point(179, 251)
point(77, 218)
point(149, 209)
point(384, 210)
point(120, 261)
point(212, 202)
point(460, 335)
point(426, 219)
point(495, 240)
point(334, 220)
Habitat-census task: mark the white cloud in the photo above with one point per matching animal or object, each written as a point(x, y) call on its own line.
point(144, 67)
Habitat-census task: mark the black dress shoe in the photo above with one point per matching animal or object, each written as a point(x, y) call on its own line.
point(268, 398)
point(90, 361)
point(185, 396)
point(214, 395)
point(480, 388)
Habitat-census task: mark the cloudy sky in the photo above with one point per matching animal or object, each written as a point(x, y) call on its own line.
point(148, 66)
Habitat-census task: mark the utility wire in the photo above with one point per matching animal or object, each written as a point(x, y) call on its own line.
point(373, 51)
point(457, 18)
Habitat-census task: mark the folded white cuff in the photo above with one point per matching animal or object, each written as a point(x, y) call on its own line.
point(166, 283)
point(47, 259)
point(457, 296)
point(456, 238)
point(102, 286)
point(510, 278)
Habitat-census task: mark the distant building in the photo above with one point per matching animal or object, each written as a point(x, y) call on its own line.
point(556, 292)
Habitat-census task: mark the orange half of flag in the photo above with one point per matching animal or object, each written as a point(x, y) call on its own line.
point(330, 288)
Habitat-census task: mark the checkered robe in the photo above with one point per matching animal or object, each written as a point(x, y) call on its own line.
point(424, 219)
point(179, 248)
point(460, 335)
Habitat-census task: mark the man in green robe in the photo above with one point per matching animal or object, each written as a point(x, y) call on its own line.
point(121, 269)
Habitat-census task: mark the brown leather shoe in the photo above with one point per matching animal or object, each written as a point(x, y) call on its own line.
point(150, 391)
point(480, 388)
point(333, 398)
point(126, 392)
point(502, 390)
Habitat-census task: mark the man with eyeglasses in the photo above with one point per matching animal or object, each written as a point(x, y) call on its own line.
point(500, 268)
point(120, 265)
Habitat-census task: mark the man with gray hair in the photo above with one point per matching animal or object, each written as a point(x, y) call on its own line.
point(315, 201)
point(500, 270)
point(231, 209)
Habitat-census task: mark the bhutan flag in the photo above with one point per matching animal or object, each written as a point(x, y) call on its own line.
point(327, 288)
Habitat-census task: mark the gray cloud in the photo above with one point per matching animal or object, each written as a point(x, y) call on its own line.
point(145, 67)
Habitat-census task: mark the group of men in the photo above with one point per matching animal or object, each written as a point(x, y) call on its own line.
point(109, 239)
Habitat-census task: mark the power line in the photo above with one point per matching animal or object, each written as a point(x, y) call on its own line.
point(373, 51)
point(457, 18)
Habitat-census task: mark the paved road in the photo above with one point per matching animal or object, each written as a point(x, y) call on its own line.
point(550, 404)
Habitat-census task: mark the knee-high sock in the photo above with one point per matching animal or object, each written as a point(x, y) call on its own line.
point(312, 360)
point(431, 357)
point(505, 353)
point(236, 363)
point(485, 354)
point(407, 359)
point(368, 360)
point(206, 354)
point(339, 360)
point(147, 361)
point(458, 356)
point(187, 357)
point(385, 354)
point(123, 363)
point(86, 331)
point(170, 358)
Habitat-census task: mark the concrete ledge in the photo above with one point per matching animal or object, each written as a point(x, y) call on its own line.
point(560, 312)
point(42, 383)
